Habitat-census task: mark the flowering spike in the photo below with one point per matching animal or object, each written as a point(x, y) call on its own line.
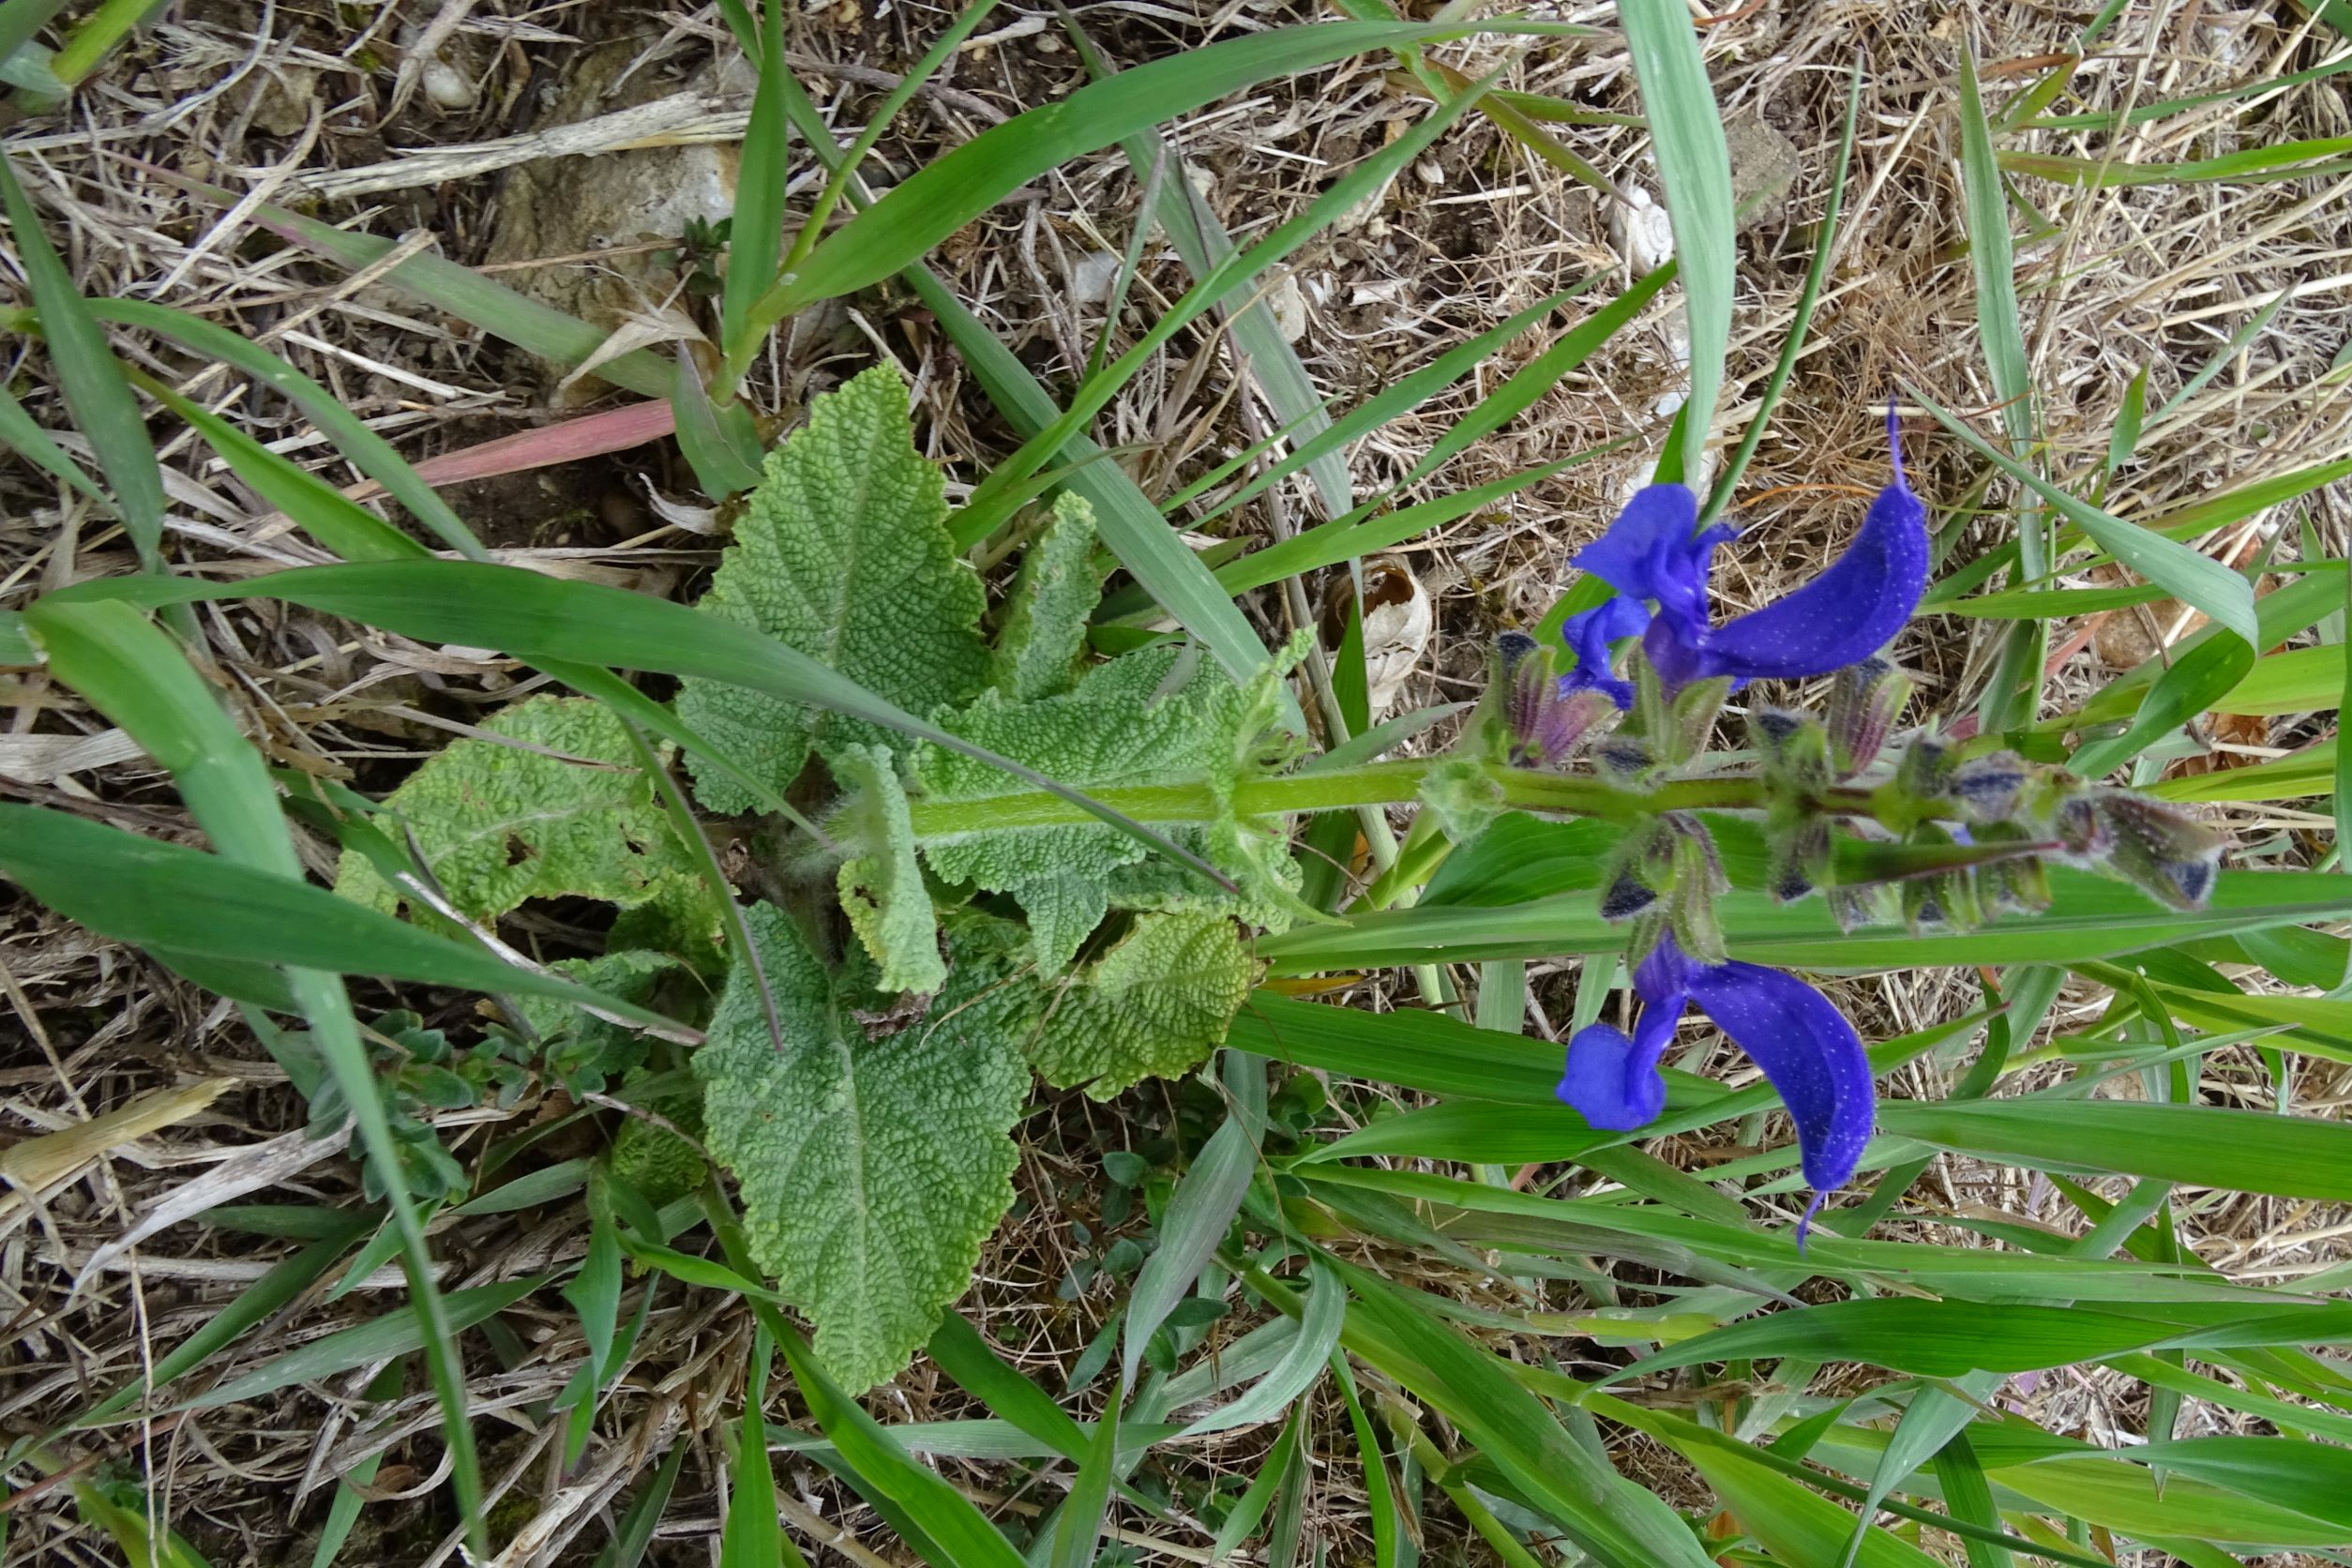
point(1864, 703)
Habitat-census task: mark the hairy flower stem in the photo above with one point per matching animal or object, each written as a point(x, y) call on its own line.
point(1373, 784)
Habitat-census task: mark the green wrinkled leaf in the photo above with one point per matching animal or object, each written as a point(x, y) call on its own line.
point(1157, 716)
point(497, 824)
point(1063, 913)
point(882, 891)
point(1044, 621)
point(871, 1168)
point(842, 554)
point(1153, 1006)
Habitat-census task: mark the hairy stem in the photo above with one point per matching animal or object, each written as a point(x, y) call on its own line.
point(1372, 784)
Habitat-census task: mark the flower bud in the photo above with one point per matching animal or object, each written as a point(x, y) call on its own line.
point(1865, 904)
point(2020, 884)
point(1800, 857)
point(1543, 718)
point(1464, 797)
point(1866, 700)
point(2159, 847)
point(1694, 712)
point(1926, 767)
point(2076, 824)
point(1666, 874)
point(1947, 899)
point(1794, 748)
point(1627, 760)
point(1987, 788)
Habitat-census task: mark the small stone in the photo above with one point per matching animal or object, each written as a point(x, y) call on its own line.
point(1289, 307)
point(446, 85)
point(1091, 279)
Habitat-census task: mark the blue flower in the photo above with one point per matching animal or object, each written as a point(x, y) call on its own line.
point(1804, 1045)
point(1654, 551)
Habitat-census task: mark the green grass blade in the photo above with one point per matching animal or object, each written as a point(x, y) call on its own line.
point(1792, 1523)
point(1199, 1213)
point(963, 1537)
point(1969, 1497)
point(718, 444)
point(1619, 1524)
point(1800, 319)
point(2089, 919)
point(2279, 161)
point(1695, 168)
point(755, 231)
point(1538, 376)
point(629, 1544)
point(2193, 578)
point(1078, 1524)
point(363, 1343)
point(1994, 262)
point(19, 434)
point(179, 900)
point(1131, 526)
point(338, 523)
point(844, 168)
point(19, 23)
point(1219, 282)
point(478, 301)
point(91, 379)
point(751, 1537)
point(942, 196)
point(1403, 395)
point(1204, 245)
point(582, 624)
point(2239, 1151)
point(2201, 678)
point(367, 451)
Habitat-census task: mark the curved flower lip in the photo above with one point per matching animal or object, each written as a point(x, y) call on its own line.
point(1804, 1045)
point(1852, 610)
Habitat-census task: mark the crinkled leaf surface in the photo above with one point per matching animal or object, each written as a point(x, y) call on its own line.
point(1115, 729)
point(882, 891)
point(843, 553)
point(1044, 621)
point(567, 811)
point(1063, 913)
point(1153, 1006)
point(1153, 717)
point(871, 1170)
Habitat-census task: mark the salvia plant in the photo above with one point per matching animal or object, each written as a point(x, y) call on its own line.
point(948, 802)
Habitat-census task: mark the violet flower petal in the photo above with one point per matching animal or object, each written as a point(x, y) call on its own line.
point(1613, 1082)
point(1650, 540)
point(1589, 635)
point(1810, 1052)
point(1845, 615)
